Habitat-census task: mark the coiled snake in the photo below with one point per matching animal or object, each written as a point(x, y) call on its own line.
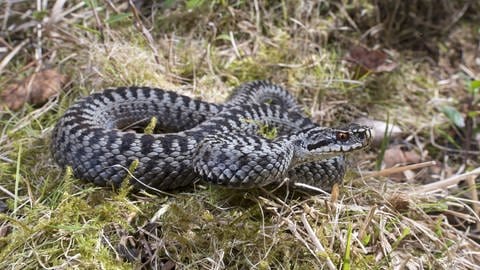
point(219, 143)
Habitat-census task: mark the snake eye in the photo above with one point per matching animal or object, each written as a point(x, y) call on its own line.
point(342, 136)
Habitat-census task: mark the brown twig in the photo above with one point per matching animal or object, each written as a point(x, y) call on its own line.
point(141, 27)
point(366, 222)
point(316, 242)
point(12, 54)
point(447, 182)
point(395, 170)
point(473, 190)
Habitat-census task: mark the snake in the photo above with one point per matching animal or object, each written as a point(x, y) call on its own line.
point(101, 135)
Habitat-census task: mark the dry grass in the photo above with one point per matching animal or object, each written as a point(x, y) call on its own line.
point(203, 48)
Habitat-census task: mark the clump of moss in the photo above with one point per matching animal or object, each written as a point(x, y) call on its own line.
point(65, 228)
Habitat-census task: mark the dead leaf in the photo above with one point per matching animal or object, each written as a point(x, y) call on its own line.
point(365, 60)
point(399, 202)
point(4, 230)
point(335, 193)
point(168, 265)
point(35, 89)
point(400, 155)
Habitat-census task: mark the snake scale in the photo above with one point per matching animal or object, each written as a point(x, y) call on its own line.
point(193, 139)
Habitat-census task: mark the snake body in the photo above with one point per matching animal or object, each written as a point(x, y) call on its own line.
point(217, 142)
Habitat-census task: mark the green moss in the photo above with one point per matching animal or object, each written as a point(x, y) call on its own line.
point(64, 217)
point(259, 66)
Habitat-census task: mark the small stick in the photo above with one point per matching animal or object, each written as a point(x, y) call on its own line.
point(302, 185)
point(146, 34)
point(234, 45)
point(394, 170)
point(39, 32)
point(473, 190)
point(12, 54)
point(366, 222)
point(6, 191)
point(447, 182)
point(316, 242)
point(466, 217)
point(293, 229)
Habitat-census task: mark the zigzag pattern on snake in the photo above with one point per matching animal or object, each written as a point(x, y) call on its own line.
point(217, 142)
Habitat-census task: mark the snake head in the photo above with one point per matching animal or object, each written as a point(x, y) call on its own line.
point(320, 142)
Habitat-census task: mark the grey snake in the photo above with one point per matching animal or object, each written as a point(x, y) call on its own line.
point(193, 139)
